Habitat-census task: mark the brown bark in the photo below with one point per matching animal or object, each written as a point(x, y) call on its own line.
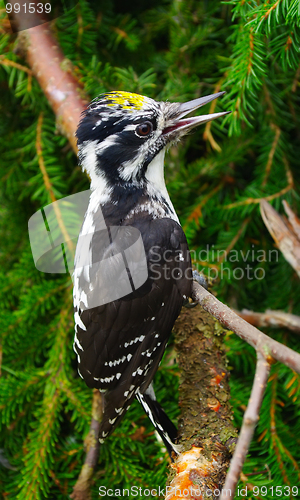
point(274, 319)
point(55, 75)
point(206, 432)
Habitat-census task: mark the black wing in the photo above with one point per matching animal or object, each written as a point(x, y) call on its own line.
point(120, 343)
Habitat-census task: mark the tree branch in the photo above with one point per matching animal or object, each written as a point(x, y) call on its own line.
point(266, 349)
point(250, 420)
point(81, 490)
point(54, 74)
point(274, 319)
point(203, 393)
point(200, 471)
point(261, 342)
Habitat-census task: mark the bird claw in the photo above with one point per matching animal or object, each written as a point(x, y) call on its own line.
point(190, 305)
point(200, 279)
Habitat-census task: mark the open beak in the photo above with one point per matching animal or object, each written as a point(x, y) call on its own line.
point(181, 125)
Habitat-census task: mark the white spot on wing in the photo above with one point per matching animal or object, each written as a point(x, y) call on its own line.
point(134, 341)
point(115, 362)
point(139, 371)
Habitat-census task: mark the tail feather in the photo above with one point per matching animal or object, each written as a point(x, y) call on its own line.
point(159, 419)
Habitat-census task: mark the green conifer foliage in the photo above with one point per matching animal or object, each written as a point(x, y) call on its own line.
point(173, 50)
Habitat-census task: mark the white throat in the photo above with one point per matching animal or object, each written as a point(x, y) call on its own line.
point(156, 180)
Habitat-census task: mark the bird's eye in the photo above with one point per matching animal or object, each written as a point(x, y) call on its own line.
point(144, 129)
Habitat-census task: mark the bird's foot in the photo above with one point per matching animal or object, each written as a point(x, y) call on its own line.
point(199, 278)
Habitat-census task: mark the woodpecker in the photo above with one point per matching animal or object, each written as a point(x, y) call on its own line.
point(122, 139)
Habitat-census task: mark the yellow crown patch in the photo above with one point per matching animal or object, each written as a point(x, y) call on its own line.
point(125, 99)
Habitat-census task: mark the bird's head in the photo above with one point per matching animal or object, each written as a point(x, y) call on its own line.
point(122, 136)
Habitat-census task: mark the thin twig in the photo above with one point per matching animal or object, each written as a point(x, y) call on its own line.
point(271, 8)
point(197, 211)
point(49, 187)
point(274, 319)
point(81, 489)
point(272, 152)
point(207, 135)
point(247, 332)
point(250, 420)
point(250, 201)
point(235, 239)
point(7, 62)
point(271, 197)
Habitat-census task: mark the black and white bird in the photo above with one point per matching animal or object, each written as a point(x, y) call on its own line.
point(122, 139)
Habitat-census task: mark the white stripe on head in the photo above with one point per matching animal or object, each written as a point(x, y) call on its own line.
point(88, 159)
